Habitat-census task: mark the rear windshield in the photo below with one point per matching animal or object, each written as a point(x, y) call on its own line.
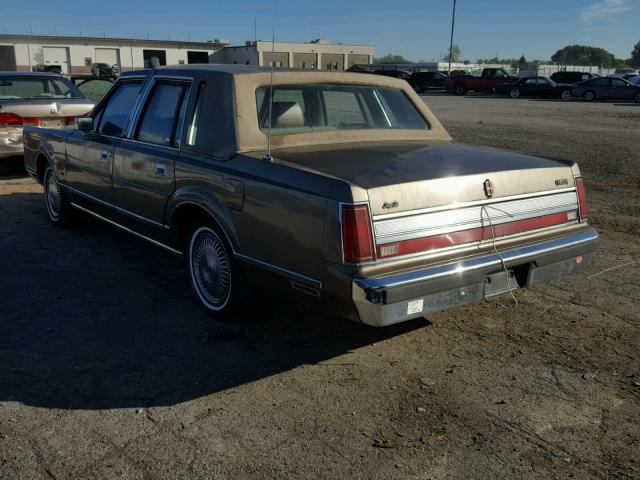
point(320, 108)
point(33, 87)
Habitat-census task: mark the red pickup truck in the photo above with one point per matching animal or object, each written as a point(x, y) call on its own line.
point(490, 78)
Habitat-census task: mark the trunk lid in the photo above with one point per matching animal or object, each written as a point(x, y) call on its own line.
point(50, 112)
point(425, 197)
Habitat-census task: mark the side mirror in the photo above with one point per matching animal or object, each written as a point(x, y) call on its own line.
point(85, 124)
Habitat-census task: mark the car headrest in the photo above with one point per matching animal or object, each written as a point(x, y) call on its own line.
point(287, 115)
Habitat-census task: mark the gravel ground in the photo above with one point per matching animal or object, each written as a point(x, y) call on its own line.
point(104, 375)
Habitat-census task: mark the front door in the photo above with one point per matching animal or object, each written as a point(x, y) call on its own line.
point(621, 90)
point(143, 176)
point(89, 164)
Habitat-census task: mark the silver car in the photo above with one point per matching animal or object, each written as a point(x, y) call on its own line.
point(36, 99)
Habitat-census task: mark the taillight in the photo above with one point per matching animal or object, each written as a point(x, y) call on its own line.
point(69, 120)
point(357, 237)
point(582, 198)
point(11, 119)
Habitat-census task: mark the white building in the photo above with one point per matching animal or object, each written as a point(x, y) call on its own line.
point(77, 54)
point(315, 55)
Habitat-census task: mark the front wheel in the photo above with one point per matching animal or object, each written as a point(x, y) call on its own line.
point(589, 96)
point(566, 95)
point(515, 93)
point(211, 270)
point(460, 90)
point(59, 208)
point(636, 97)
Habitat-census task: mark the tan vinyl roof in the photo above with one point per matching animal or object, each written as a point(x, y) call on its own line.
point(249, 137)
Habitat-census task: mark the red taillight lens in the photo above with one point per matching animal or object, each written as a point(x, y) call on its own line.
point(11, 119)
point(69, 120)
point(582, 198)
point(357, 237)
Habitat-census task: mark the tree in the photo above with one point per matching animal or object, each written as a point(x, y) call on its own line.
point(522, 63)
point(456, 54)
point(391, 58)
point(634, 61)
point(584, 55)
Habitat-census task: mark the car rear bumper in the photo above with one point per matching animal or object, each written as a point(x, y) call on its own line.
point(11, 142)
point(396, 298)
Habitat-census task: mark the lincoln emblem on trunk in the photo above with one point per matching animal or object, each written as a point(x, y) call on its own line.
point(488, 188)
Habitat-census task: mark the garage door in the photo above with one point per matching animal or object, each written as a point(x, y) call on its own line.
point(57, 56)
point(110, 56)
point(7, 57)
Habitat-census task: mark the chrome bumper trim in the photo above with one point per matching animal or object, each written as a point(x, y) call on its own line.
point(459, 268)
point(397, 298)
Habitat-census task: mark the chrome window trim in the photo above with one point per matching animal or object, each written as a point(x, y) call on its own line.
point(453, 206)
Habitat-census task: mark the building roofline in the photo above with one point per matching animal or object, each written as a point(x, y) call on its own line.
point(4, 36)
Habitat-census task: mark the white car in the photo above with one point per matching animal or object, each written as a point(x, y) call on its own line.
point(623, 72)
point(36, 99)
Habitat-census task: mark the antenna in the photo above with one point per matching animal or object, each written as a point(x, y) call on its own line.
point(268, 156)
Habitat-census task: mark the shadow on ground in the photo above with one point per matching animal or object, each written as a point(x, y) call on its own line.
point(95, 319)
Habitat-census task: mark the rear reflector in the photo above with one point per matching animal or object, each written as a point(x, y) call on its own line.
point(582, 198)
point(416, 245)
point(357, 237)
point(11, 120)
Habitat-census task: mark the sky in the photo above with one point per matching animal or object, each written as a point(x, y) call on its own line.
point(417, 29)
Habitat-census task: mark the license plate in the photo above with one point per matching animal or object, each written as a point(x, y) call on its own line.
point(51, 122)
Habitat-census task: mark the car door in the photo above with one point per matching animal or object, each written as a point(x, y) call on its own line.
point(545, 88)
point(144, 176)
point(620, 89)
point(89, 162)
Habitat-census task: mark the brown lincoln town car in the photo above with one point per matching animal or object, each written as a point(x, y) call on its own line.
point(365, 206)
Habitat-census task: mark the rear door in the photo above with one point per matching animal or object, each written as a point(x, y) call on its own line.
point(545, 88)
point(89, 163)
point(144, 176)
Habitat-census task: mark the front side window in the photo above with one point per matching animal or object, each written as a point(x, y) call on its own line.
point(618, 83)
point(116, 113)
point(531, 82)
point(601, 82)
point(320, 108)
point(162, 114)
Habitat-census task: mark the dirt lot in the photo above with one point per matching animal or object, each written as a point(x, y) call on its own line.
point(108, 369)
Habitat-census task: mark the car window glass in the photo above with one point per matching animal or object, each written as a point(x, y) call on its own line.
point(116, 112)
point(531, 81)
point(543, 82)
point(601, 82)
point(14, 88)
point(618, 83)
point(342, 108)
point(161, 114)
point(95, 89)
point(500, 74)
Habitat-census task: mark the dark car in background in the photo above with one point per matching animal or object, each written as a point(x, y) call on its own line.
point(607, 88)
point(540, 87)
point(401, 74)
point(41, 67)
point(421, 81)
point(571, 77)
point(102, 70)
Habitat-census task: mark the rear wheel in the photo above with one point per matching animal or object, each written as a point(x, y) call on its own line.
point(211, 270)
point(589, 96)
point(636, 97)
point(566, 95)
point(515, 93)
point(59, 208)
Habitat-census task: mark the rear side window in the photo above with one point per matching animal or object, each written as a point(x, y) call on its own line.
point(162, 114)
point(115, 114)
point(601, 82)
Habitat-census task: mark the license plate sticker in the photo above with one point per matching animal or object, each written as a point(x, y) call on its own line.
point(415, 306)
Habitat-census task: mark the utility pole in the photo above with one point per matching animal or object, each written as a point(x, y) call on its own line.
point(453, 26)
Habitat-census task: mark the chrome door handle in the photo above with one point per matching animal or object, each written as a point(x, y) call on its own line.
point(105, 155)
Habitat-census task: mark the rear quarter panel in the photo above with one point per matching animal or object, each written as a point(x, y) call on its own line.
point(47, 142)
